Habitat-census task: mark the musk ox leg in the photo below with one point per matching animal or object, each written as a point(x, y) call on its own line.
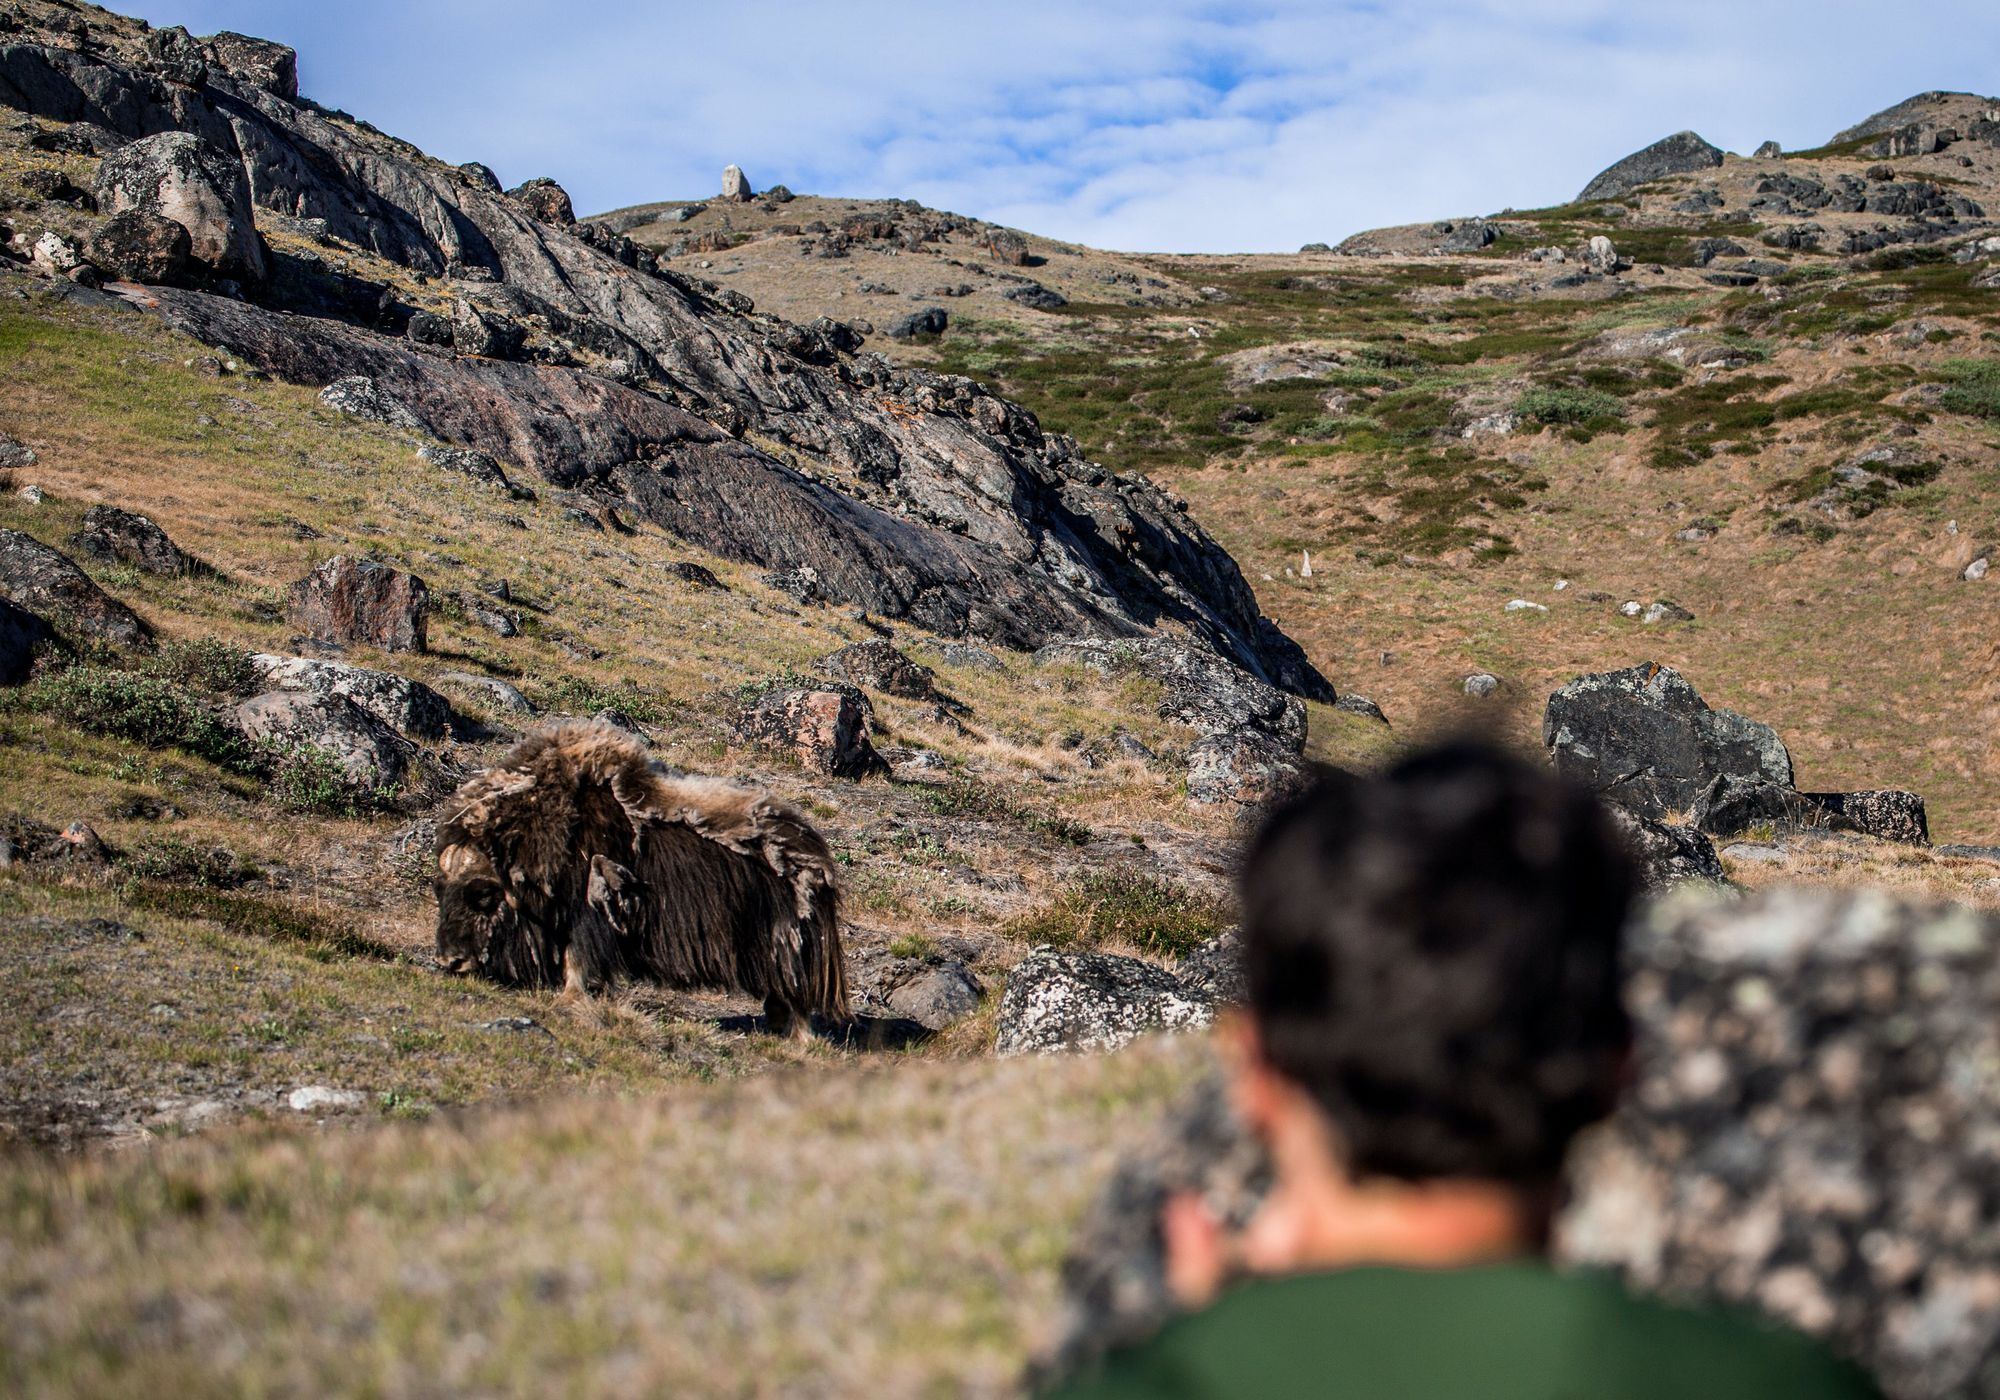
point(782, 1018)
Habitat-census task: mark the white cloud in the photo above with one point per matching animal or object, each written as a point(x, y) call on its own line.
point(1185, 126)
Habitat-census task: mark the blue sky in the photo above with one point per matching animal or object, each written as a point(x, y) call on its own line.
point(1132, 124)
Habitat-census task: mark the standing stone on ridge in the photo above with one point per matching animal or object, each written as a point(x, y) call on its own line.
point(736, 185)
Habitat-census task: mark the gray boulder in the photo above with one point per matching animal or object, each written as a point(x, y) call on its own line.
point(1092, 1001)
point(1036, 297)
point(931, 320)
point(361, 396)
point(178, 175)
point(1887, 814)
point(1644, 738)
point(1731, 804)
point(1202, 689)
point(46, 582)
point(1215, 970)
point(966, 654)
point(1674, 155)
point(736, 185)
point(257, 63)
point(1243, 766)
point(348, 600)
point(879, 666)
point(934, 990)
point(409, 707)
point(112, 535)
point(492, 690)
point(139, 245)
point(545, 201)
point(369, 754)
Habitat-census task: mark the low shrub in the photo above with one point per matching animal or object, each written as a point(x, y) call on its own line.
point(144, 709)
point(1147, 912)
point(1556, 406)
point(207, 665)
point(174, 862)
point(1972, 387)
point(309, 780)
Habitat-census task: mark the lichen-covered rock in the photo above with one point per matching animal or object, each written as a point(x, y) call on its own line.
point(116, 536)
point(492, 690)
point(934, 990)
point(178, 175)
point(1644, 738)
point(364, 398)
point(1888, 814)
point(1666, 855)
point(45, 581)
point(348, 600)
point(259, 63)
point(1244, 766)
point(369, 754)
point(1202, 689)
point(139, 245)
point(1815, 1130)
point(545, 201)
point(1092, 1001)
point(824, 730)
point(409, 707)
point(1732, 804)
point(1674, 155)
point(879, 666)
point(1215, 970)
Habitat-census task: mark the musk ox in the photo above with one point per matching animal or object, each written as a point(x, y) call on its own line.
point(577, 861)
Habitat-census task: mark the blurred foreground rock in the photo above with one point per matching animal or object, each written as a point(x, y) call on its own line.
point(1814, 1133)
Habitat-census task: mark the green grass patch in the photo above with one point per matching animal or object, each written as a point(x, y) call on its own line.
point(1143, 911)
point(320, 936)
point(1972, 387)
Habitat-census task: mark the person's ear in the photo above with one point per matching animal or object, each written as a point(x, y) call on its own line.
point(1254, 1087)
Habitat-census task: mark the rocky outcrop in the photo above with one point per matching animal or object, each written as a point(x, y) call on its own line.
point(546, 202)
point(1678, 154)
point(1666, 854)
point(1252, 735)
point(349, 600)
point(1644, 738)
point(113, 535)
point(823, 730)
point(409, 707)
point(46, 582)
point(953, 509)
point(1092, 1001)
point(181, 177)
point(369, 755)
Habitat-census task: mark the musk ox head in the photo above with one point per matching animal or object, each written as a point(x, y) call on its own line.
point(473, 906)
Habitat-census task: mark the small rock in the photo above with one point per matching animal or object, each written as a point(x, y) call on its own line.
point(695, 575)
point(492, 690)
point(114, 536)
point(32, 494)
point(824, 730)
point(931, 320)
point(1631, 607)
point(360, 396)
point(545, 201)
point(16, 454)
point(802, 585)
point(1976, 570)
point(1755, 853)
point(1664, 611)
point(1515, 605)
point(1361, 705)
point(318, 1098)
point(966, 654)
point(1481, 684)
point(623, 723)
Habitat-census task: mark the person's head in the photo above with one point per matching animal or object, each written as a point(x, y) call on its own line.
point(1433, 962)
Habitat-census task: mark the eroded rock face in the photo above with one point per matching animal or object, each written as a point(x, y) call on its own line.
point(262, 64)
point(1645, 739)
point(1674, 155)
point(181, 177)
point(1888, 814)
point(545, 201)
point(824, 730)
point(1092, 1001)
point(117, 536)
point(348, 600)
point(369, 754)
point(409, 707)
point(44, 581)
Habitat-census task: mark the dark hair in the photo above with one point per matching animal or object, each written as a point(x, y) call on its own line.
point(1434, 956)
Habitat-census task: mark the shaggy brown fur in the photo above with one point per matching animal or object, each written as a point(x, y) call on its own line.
point(577, 860)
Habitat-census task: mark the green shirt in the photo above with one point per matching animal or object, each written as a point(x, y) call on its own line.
point(1517, 1331)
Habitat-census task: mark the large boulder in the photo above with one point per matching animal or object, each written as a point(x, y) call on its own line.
point(1242, 766)
point(1092, 1001)
point(409, 707)
point(736, 185)
point(1644, 738)
point(348, 600)
point(369, 755)
point(934, 990)
point(824, 730)
point(113, 535)
point(20, 632)
point(1815, 1128)
point(879, 666)
point(45, 581)
point(139, 245)
point(361, 397)
point(1731, 805)
point(1674, 155)
point(1887, 814)
point(1201, 689)
point(203, 189)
